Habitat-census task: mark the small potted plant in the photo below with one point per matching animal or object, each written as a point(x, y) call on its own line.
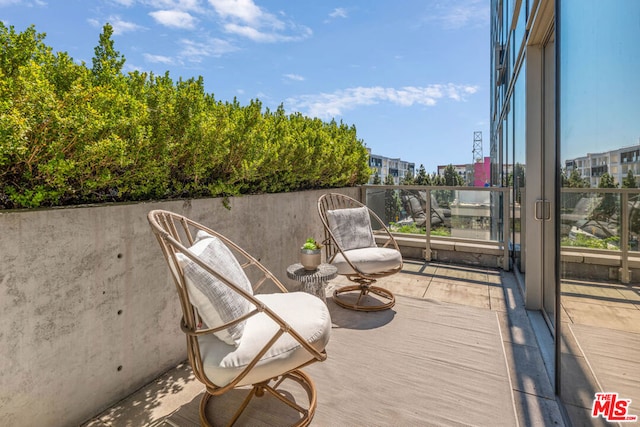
point(310, 256)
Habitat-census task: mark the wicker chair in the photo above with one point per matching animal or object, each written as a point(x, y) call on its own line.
point(236, 336)
point(351, 246)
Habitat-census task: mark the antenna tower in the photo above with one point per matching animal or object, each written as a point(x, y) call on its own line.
point(477, 147)
point(478, 174)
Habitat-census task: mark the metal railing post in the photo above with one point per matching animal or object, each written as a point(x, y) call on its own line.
point(427, 238)
point(506, 203)
point(625, 275)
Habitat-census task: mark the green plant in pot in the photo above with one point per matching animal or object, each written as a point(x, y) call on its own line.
point(310, 255)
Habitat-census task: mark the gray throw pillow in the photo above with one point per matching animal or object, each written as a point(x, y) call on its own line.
point(216, 302)
point(351, 227)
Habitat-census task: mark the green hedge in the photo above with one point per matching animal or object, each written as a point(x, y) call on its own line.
point(71, 134)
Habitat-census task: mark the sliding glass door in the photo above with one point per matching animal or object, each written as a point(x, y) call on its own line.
point(599, 137)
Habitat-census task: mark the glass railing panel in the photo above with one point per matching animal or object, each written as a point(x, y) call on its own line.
point(634, 221)
point(441, 201)
point(590, 220)
point(414, 219)
point(517, 222)
point(402, 210)
point(388, 204)
point(455, 213)
point(471, 215)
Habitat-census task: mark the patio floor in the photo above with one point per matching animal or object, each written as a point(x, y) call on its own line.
point(171, 400)
point(600, 344)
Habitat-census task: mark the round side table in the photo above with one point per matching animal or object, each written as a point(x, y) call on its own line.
point(313, 281)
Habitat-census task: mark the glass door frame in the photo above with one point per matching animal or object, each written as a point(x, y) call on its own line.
point(540, 196)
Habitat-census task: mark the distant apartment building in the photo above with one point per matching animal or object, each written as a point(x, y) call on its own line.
point(616, 163)
point(385, 166)
point(463, 170)
point(473, 174)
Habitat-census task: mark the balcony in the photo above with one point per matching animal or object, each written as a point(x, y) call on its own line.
point(480, 363)
point(91, 317)
point(599, 231)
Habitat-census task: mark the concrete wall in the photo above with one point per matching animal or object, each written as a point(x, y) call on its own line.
point(88, 311)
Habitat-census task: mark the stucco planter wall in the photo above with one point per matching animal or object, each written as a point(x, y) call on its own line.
point(88, 312)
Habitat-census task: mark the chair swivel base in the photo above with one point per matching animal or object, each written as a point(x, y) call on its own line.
point(360, 292)
point(271, 386)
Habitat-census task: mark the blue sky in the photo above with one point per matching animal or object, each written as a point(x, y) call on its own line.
point(599, 93)
point(411, 75)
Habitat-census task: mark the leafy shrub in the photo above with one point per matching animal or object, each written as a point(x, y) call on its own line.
point(441, 231)
point(73, 135)
point(581, 240)
point(409, 228)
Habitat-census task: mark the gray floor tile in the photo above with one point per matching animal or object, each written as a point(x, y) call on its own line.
point(527, 371)
point(459, 293)
point(578, 383)
point(516, 328)
point(582, 417)
point(535, 411)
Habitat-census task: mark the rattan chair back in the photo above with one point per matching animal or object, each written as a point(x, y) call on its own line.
point(175, 234)
point(364, 280)
point(382, 235)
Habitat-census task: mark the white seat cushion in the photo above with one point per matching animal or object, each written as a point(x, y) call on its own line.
point(305, 313)
point(368, 260)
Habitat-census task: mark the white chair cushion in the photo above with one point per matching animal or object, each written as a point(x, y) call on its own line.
point(216, 302)
point(351, 227)
point(368, 260)
point(305, 313)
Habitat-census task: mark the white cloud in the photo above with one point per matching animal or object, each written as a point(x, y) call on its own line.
point(174, 18)
point(454, 15)
point(295, 77)
point(249, 32)
point(255, 34)
point(192, 5)
point(244, 18)
point(126, 3)
point(118, 24)
point(25, 3)
point(194, 51)
point(10, 2)
point(338, 12)
point(328, 105)
point(158, 59)
point(242, 10)
point(130, 68)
